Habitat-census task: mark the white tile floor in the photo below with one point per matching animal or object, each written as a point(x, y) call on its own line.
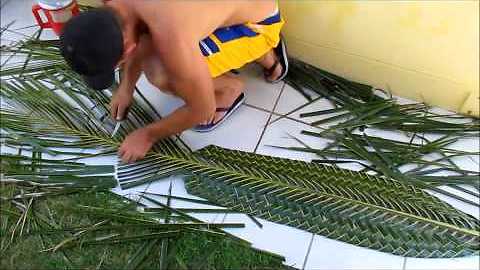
point(255, 128)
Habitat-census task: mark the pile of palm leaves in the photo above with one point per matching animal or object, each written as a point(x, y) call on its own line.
point(76, 223)
point(49, 107)
point(359, 111)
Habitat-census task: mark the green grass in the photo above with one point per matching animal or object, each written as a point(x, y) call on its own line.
point(47, 217)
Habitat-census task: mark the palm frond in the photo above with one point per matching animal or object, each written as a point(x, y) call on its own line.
point(51, 109)
point(359, 103)
point(322, 199)
point(339, 204)
point(358, 109)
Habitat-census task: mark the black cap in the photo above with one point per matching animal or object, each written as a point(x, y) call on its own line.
point(92, 44)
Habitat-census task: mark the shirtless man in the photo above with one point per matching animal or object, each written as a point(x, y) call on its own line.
point(187, 48)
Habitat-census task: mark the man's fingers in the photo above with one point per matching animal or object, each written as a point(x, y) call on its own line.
point(121, 152)
point(133, 158)
point(120, 112)
point(121, 149)
point(126, 157)
point(113, 110)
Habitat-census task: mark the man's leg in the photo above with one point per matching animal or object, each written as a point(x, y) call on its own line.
point(267, 61)
point(228, 88)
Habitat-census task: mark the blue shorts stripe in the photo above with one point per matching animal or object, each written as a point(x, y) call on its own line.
point(226, 34)
point(204, 52)
point(271, 20)
point(211, 45)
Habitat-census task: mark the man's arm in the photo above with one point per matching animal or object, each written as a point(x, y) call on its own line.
point(131, 71)
point(189, 77)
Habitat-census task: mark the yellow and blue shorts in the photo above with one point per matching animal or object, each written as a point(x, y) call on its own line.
point(232, 47)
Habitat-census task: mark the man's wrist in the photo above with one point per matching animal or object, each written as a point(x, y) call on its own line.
point(127, 88)
point(151, 134)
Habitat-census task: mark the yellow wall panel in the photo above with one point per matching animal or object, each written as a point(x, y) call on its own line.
point(425, 50)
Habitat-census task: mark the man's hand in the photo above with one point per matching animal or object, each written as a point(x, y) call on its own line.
point(136, 145)
point(121, 101)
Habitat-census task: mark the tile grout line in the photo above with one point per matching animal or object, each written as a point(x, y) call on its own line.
point(404, 263)
point(5, 3)
point(308, 252)
point(269, 118)
point(277, 114)
point(286, 115)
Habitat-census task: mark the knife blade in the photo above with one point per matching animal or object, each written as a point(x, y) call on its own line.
point(117, 127)
point(119, 122)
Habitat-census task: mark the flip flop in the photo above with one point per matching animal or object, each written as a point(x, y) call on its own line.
point(228, 111)
point(281, 52)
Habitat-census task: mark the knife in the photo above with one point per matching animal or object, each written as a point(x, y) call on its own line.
point(117, 127)
point(119, 123)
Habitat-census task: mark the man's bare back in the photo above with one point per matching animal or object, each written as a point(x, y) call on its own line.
point(198, 19)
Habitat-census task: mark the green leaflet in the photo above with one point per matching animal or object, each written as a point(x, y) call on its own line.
point(55, 177)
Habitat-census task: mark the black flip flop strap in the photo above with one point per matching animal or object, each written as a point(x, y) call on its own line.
point(212, 122)
point(270, 70)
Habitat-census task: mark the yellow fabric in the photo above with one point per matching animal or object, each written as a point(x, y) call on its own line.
point(238, 52)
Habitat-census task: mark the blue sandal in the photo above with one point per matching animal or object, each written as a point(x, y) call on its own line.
point(228, 111)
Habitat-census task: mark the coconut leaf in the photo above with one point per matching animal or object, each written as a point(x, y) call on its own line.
point(361, 209)
point(359, 109)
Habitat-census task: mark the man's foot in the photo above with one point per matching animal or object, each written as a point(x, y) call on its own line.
point(221, 114)
point(274, 72)
point(278, 68)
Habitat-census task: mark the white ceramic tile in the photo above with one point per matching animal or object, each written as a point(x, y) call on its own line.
point(282, 133)
point(163, 103)
point(466, 263)
point(241, 131)
point(289, 100)
point(17, 15)
point(462, 206)
point(331, 254)
point(292, 100)
point(103, 160)
point(259, 92)
point(18, 11)
point(279, 239)
point(468, 144)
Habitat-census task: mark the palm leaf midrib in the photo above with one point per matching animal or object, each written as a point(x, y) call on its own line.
point(246, 161)
point(339, 229)
point(205, 168)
